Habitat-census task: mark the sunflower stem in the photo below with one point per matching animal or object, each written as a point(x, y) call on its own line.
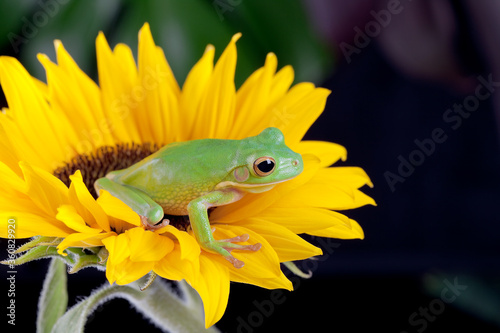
point(159, 303)
point(54, 297)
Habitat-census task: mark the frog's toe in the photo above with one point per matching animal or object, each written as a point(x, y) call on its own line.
point(229, 245)
point(241, 238)
point(225, 246)
point(148, 225)
point(236, 263)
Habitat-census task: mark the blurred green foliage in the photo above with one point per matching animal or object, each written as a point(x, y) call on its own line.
point(182, 28)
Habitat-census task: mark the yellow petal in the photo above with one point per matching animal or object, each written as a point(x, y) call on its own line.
point(213, 286)
point(193, 90)
point(281, 83)
point(20, 147)
point(46, 191)
point(328, 195)
point(119, 226)
point(168, 103)
point(114, 207)
point(63, 96)
point(279, 282)
point(10, 181)
point(33, 211)
point(300, 219)
point(341, 232)
point(327, 152)
point(216, 112)
point(42, 87)
point(129, 271)
point(353, 176)
point(118, 100)
point(147, 246)
point(151, 126)
point(301, 106)
point(73, 93)
point(173, 267)
point(70, 217)
point(90, 210)
point(30, 224)
point(119, 251)
point(146, 37)
point(7, 151)
point(158, 91)
point(190, 249)
point(252, 101)
point(82, 240)
point(287, 244)
point(118, 247)
point(31, 111)
point(124, 55)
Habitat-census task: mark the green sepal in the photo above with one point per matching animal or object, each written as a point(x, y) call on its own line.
point(37, 241)
point(295, 270)
point(76, 258)
point(149, 282)
point(34, 253)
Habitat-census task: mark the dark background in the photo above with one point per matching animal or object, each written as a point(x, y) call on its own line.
point(440, 224)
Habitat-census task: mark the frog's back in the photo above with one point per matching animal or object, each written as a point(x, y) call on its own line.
point(177, 173)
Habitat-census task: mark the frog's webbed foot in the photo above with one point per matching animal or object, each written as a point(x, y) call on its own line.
point(146, 223)
point(225, 246)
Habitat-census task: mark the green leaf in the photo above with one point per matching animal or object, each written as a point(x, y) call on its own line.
point(54, 298)
point(159, 303)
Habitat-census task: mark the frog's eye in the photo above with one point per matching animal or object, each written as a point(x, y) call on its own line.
point(264, 166)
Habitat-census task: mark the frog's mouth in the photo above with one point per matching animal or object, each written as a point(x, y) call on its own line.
point(250, 188)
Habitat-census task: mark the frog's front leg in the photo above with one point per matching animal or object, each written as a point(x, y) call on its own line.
point(149, 211)
point(200, 224)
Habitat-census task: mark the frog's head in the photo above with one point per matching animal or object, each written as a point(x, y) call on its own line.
point(263, 161)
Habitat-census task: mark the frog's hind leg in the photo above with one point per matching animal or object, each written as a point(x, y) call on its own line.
point(202, 230)
point(149, 211)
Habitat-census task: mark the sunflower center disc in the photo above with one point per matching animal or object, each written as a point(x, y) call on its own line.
point(105, 159)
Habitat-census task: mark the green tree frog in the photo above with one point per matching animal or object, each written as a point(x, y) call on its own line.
point(188, 178)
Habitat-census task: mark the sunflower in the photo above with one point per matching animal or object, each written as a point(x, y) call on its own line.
point(57, 138)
